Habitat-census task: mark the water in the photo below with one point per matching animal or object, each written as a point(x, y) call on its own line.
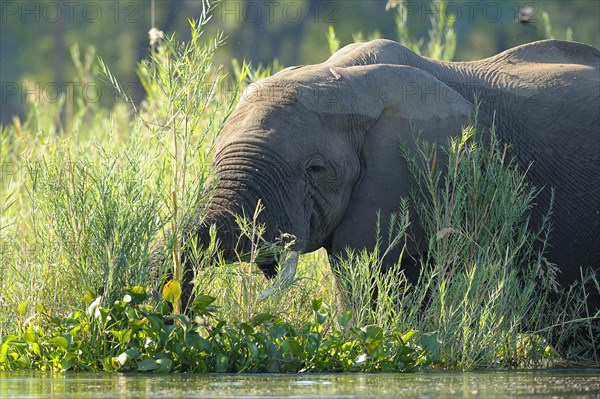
point(539, 384)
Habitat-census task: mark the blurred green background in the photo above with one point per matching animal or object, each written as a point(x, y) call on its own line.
point(36, 36)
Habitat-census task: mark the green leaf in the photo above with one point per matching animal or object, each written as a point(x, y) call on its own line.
point(253, 349)
point(247, 328)
point(131, 312)
point(164, 366)
point(316, 304)
point(120, 305)
point(130, 354)
point(201, 302)
point(163, 307)
point(182, 320)
point(137, 292)
point(291, 345)
point(408, 336)
point(373, 333)
point(87, 298)
point(277, 331)
point(430, 341)
point(345, 318)
point(64, 364)
point(35, 347)
point(124, 336)
point(138, 323)
point(260, 318)
point(4, 348)
point(222, 363)
point(321, 317)
point(133, 353)
point(23, 308)
point(172, 291)
point(30, 335)
point(60, 342)
point(148, 364)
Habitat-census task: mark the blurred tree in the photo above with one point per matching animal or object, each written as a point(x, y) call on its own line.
point(35, 35)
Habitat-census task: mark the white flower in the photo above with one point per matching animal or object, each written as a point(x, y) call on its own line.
point(155, 35)
point(93, 309)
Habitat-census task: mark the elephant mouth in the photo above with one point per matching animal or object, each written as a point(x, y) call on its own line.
point(273, 263)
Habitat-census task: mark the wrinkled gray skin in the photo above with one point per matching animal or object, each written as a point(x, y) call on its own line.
point(318, 144)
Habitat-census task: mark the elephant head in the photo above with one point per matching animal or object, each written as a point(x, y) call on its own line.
point(318, 146)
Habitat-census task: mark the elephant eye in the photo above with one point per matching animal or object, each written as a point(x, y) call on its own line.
point(315, 166)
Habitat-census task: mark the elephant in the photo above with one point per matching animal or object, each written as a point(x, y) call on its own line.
point(317, 145)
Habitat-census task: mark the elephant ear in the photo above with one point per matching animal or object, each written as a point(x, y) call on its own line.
point(397, 101)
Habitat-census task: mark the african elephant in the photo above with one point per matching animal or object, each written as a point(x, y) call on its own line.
point(318, 144)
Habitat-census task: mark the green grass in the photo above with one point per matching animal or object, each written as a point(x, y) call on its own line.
point(88, 192)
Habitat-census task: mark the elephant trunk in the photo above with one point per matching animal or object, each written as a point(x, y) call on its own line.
point(228, 235)
point(241, 189)
point(233, 244)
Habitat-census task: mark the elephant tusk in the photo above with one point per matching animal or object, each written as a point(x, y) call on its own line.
point(289, 262)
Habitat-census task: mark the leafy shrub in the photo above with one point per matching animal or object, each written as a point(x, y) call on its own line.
point(133, 336)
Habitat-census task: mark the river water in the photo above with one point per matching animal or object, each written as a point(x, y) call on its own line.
point(520, 384)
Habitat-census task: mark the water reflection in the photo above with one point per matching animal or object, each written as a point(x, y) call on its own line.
point(567, 383)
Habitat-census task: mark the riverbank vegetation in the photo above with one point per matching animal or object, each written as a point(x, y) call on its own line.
point(88, 191)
